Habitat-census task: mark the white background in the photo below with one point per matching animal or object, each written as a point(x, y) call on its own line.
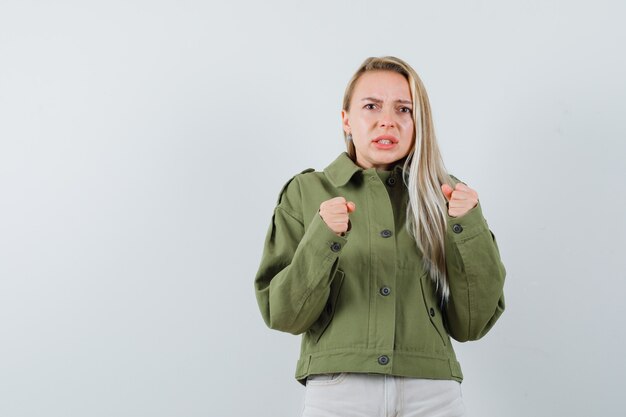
point(143, 145)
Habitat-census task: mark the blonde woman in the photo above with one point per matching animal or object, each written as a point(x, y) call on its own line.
point(379, 259)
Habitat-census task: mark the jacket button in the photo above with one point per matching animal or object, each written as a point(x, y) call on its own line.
point(335, 247)
point(386, 233)
point(385, 291)
point(383, 359)
point(457, 228)
point(391, 181)
point(432, 312)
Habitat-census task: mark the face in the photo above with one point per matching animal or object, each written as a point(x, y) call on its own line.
point(380, 118)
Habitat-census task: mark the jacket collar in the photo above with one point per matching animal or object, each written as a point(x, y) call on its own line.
point(342, 169)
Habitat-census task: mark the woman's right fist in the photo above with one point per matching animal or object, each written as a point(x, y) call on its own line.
point(334, 212)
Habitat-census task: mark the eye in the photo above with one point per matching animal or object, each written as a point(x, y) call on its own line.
point(369, 104)
point(406, 110)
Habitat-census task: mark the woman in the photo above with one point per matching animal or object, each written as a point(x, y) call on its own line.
point(379, 259)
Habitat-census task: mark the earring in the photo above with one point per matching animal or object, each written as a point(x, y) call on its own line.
point(349, 137)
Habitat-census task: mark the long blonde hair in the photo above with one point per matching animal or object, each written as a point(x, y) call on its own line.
point(427, 209)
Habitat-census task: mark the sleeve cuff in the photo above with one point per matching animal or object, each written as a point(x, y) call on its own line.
point(468, 225)
point(327, 242)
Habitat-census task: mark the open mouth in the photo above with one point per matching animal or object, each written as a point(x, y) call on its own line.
point(385, 141)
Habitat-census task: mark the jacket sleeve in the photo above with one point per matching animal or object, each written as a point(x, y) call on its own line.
point(475, 275)
point(298, 263)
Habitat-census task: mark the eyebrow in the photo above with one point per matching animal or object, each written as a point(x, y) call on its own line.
point(377, 100)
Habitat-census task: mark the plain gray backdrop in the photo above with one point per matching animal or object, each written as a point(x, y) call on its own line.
point(144, 143)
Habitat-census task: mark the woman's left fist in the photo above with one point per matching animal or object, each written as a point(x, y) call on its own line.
point(461, 199)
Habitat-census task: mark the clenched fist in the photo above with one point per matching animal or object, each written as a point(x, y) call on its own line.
point(334, 212)
point(461, 199)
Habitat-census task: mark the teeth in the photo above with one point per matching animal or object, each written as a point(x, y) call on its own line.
point(385, 141)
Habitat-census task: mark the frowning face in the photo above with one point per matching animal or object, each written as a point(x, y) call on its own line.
point(380, 118)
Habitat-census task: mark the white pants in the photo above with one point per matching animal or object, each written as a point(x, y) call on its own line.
point(377, 395)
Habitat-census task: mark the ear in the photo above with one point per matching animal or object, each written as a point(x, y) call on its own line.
point(345, 121)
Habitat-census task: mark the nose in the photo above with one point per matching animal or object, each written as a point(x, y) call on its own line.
point(387, 118)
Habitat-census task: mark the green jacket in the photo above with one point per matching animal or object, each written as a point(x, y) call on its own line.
point(363, 302)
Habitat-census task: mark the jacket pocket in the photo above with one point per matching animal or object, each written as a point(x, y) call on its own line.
point(432, 311)
point(318, 328)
